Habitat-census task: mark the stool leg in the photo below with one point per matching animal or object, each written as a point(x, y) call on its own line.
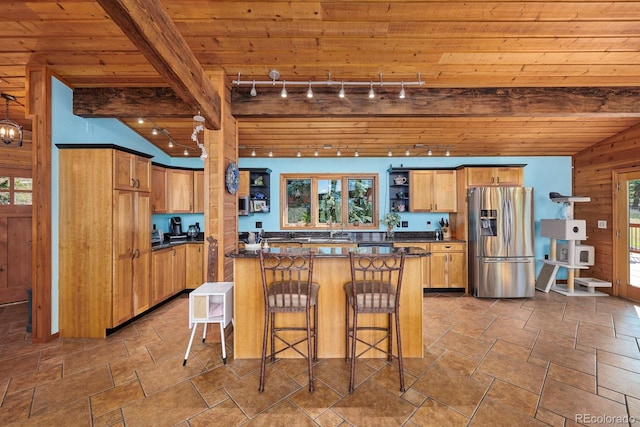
point(224, 350)
point(347, 349)
point(400, 365)
point(204, 333)
point(389, 339)
point(315, 332)
point(186, 355)
point(309, 351)
point(264, 350)
point(352, 372)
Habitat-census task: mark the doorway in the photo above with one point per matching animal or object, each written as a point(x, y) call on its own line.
point(626, 237)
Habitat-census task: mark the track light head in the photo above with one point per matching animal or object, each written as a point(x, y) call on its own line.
point(447, 153)
point(253, 89)
point(185, 152)
point(407, 153)
point(270, 153)
point(339, 153)
point(283, 92)
point(140, 120)
point(298, 154)
point(341, 93)
point(315, 153)
point(402, 93)
point(429, 153)
point(154, 131)
point(309, 91)
point(372, 94)
point(356, 154)
point(170, 143)
point(253, 152)
point(390, 154)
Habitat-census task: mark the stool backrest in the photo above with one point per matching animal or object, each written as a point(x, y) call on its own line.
point(287, 280)
point(376, 280)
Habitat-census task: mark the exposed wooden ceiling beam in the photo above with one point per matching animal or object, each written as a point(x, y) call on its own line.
point(152, 31)
point(439, 102)
point(129, 103)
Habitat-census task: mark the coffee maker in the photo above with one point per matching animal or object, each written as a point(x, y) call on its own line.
point(175, 227)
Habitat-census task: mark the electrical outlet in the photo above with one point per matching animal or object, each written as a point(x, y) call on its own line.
point(258, 224)
point(405, 224)
point(602, 223)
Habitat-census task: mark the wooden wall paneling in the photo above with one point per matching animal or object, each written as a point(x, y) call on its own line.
point(38, 109)
point(593, 177)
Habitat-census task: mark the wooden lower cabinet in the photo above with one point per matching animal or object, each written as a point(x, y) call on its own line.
point(448, 266)
point(15, 258)
point(195, 265)
point(426, 265)
point(168, 275)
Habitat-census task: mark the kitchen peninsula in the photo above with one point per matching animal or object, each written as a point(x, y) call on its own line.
point(331, 272)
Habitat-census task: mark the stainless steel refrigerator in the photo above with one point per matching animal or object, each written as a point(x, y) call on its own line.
point(501, 247)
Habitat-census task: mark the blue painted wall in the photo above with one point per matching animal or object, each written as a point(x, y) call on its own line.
point(544, 174)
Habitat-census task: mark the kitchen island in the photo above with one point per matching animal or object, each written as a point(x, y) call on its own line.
point(331, 272)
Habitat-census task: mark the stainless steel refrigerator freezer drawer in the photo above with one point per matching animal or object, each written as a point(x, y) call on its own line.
point(504, 277)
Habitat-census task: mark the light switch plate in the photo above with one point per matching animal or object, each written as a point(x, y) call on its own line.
point(602, 223)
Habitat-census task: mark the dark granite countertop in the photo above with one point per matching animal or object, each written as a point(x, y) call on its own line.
point(169, 244)
point(351, 237)
point(335, 252)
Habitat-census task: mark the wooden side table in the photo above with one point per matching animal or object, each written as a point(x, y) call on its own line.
point(211, 302)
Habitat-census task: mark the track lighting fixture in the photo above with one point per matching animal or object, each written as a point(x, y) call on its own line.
point(140, 120)
point(253, 152)
point(407, 153)
point(298, 154)
point(447, 153)
point(339, 153)
point(315, 153)
point(154, 131)
point(356, 154)
point(429, 153)
point(185, 152)
point(270, 153)
point(170, 143)
point(390, 154)
point(275, 75)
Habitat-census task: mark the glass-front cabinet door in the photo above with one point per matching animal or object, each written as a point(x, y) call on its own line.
point(329, 200)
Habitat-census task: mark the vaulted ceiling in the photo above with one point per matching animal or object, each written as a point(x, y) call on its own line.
point(500, 78)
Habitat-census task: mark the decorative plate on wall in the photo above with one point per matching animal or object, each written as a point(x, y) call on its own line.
point(231, 178)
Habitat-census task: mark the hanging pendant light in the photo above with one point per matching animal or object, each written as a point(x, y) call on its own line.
point(10, 131)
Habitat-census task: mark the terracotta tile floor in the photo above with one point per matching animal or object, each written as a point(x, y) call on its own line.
point(549, 360)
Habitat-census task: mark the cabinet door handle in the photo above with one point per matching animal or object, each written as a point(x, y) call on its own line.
point(137, 183)
point(137, 253)
point(450, 257)
point(133, 254)
point(492, 180)
point(498, 180)
point(133, 183)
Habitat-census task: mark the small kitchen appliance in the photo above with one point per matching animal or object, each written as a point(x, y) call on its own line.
point(175, 226)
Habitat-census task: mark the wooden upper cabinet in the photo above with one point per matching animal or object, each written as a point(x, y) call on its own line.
point(495, 176)
point(198, 191)
point(131, 172)
point(158, 189)
point(243, 183)
point(432, 190)
point(180, 190)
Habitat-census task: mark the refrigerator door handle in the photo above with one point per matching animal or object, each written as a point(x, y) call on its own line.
point(507, 260)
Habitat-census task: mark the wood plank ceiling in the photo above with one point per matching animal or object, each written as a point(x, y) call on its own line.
point(541, 46)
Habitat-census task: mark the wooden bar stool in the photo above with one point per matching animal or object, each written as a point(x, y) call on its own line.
point(376, 280)
point(287, 281)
